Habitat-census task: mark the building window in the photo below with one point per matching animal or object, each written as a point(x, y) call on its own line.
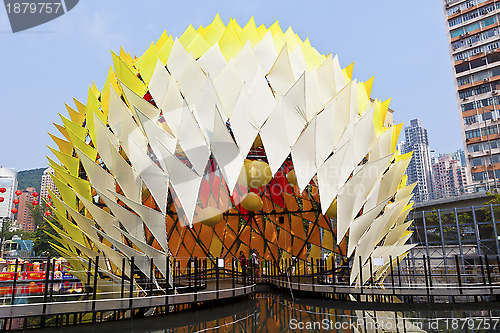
point(457, 32)
point(471, 27)
point(489, 21)
point(484, 88)
point(479, 176)
point(463, 80)
point(481, 76)
point(491, 46)
point(468, 106)
point(475, 147)
point(477, 161)
point(490, 130)
point(475, 133)
point(453, 10)
point(495, 71)
point(455, 21)
point(466, 93)
point(477, 63)
point(476, 50)
point(462, 68)
point(484, 102)
point(470, 120)
point(461, 56)
point(468, 16)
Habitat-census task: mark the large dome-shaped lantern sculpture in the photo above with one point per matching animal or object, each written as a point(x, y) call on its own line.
point(184, 131)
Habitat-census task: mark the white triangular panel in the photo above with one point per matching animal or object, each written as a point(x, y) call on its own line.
point(158, 85)
point(177, 59)
point(159, 258)
point(103, 219)
point(139, 102)
point(193, 142)
point(242, 124)
point(352, 195)
point(154, 220)
point(364, 135)
point(304, 155)
point(172, 107)
point(395, 234)
point(339, 76)
point(274, 139)
point(140, 260)
point(226, 153)
point(326, 79)
point(228, 86)
point(280, 76)
point(84, 223)
point(204, 109)
point(126, 177)
point(213, 61)
point(361, 224)
point(382, 147)
point(154, 178)
point(130, 221)
point(297, 62)
point(265, 51)
point(185, 182)
point(246, 63)
point(192, 80)
point(328, 177)
point(392, 178)
point(261, 98)
point(155, 133)
point(99, 178)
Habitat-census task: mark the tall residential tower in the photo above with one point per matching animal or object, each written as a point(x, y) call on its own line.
point(474, 39)
point(419, 170)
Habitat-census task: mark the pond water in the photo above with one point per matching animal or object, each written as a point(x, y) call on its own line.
point(269, 312)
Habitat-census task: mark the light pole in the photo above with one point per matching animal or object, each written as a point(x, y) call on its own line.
point(1, 236)
point(489, 151)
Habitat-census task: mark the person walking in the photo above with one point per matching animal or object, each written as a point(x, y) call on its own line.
point(243, 264)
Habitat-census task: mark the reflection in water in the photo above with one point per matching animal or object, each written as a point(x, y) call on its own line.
point(278, 313)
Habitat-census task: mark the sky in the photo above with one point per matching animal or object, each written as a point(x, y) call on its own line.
point(403, 44)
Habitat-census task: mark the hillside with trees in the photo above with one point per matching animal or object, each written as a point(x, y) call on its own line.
point(30, 178)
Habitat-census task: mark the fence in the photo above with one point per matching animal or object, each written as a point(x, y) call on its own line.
point(467, 231)
point(106, 296)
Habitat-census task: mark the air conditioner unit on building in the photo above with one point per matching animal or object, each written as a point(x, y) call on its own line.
point(486, 80)
point(464, 99)
point(494, 92)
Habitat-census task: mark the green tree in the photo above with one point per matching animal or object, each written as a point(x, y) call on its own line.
point(42, 227)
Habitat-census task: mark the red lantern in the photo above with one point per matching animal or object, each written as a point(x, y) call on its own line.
point(48, 196)
point(13, 210)
point(19, 192)
point(1, 199)
point(34, 202)
point(48, 213)
point(15, 201)
point(2, 190)
point(35, 194)
point(48, 204)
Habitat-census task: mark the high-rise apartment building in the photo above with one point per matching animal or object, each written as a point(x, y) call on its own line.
point(419, 170)
point(47, 183)
point(24, 218)
point(474, 39)
point(8, 180)
point(449, 176)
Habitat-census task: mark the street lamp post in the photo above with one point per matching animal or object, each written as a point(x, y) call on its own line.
point(489, 151)
point(1, 236)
